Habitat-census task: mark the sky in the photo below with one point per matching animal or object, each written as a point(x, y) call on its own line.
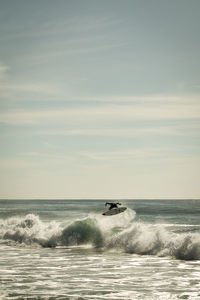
point(100, 99)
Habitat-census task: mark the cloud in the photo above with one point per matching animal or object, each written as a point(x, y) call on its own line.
point(187, 109)
point(127, 154)
point(8, 164)
point(28, 88)
point(125, 132)
point(77, 35)
point(75, 25)
point(11, 89)
point(3, 71)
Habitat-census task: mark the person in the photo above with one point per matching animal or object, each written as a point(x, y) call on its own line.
point(112, 205)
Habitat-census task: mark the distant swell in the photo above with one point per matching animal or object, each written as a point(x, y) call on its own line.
point(118, 234)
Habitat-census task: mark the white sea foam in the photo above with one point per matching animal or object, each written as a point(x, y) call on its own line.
point(107, 223)
point(116, 233)
point(29, 230)
point(146, 239)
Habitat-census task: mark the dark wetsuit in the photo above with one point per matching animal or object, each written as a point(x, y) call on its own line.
point(112, 205)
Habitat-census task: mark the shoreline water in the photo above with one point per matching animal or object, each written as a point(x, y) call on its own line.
point(65, 249)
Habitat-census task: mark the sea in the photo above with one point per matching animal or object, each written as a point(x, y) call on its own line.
point(66, 249)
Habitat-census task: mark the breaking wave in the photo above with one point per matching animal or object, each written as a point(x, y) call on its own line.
point(30, 230)
point(116, 234)
point(146, 239)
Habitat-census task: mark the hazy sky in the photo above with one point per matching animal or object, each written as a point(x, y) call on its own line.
point(100, 99)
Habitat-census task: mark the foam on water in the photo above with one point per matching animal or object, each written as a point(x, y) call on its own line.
point(30, 230)
point(116, 233)
point(146, 239)
point(68, 250)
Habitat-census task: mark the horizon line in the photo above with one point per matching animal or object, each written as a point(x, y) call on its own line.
point(99, 199)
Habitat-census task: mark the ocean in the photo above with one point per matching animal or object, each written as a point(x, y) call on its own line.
point(66, 249)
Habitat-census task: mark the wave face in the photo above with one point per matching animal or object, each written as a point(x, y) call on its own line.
point(120, 233)
point(82, 232)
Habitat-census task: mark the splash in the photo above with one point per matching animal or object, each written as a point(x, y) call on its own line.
point(116, 221)
point(30, 230)
point(118, 234)
point(146, 239)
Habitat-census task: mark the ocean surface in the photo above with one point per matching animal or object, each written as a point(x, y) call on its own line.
point(66, 249)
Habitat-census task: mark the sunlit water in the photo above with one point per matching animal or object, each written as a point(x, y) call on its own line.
point(68, 250)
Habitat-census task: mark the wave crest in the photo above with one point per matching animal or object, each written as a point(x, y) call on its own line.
point(107, 233)
point(82, 232)
point(30, 230)
point(146, 239)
